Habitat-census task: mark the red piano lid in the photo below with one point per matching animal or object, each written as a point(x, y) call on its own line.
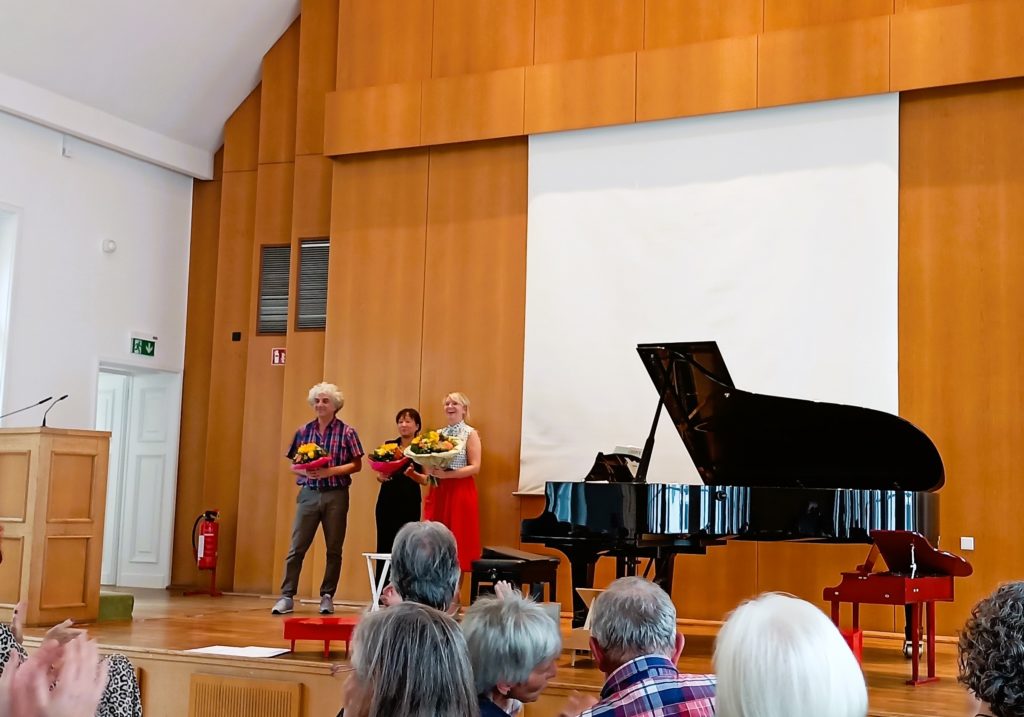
point(894, 545)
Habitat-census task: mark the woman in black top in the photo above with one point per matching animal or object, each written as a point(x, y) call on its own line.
point(398, 502)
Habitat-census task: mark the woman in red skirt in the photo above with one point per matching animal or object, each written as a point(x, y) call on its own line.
point(453, 501)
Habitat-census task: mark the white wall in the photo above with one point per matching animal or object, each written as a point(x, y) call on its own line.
point(8, 235)
point(72, 306)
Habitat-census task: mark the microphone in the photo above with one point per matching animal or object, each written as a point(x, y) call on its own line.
point(50, 408)
point(38, 403)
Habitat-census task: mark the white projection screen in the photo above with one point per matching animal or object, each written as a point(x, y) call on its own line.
point(773, 232)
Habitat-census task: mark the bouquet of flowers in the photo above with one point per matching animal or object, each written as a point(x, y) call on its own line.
point(386, 458)
point(309, 457)
point(434, 449)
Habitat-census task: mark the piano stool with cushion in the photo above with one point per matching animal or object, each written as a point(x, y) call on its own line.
point(517, 567)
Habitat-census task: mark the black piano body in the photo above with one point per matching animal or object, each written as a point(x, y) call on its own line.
point(772, 469)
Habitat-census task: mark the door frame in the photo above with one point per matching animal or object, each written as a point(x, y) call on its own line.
point(174, 445)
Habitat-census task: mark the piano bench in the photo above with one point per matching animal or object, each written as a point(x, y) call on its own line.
point(517, 567)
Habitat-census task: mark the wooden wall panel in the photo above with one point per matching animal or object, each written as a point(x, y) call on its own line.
point(311, 202)
point(483, 106)
point(805, 569)
point(474, 309)
point(242, 135)
point(701, 78)
point(382, 43)
point(707, 587)
point(961, 299)
point(261, 418)
point(195, 392)
point(472, 36)
point(318, 52)
point(849, 59)
point(228, 360)
point(582, 93)
point(571, 29)
point(786, 14)
point(961, 43)
point(668, 23)
point(912, 5)
point(369, 119)
point(311, 217)
point(279, 97)
point(374, 316)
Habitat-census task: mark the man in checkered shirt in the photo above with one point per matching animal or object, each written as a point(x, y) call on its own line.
point(636, 645)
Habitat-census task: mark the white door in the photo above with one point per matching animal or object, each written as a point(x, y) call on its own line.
point(112, 415)
point(151, 466)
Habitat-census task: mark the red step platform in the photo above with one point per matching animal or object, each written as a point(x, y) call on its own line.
point(320, 628)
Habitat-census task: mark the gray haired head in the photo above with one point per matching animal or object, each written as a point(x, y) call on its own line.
point(633, 617)
point(410, 660)
point(425, 564)
point(508, 639)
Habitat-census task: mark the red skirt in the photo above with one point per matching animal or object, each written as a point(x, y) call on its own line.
point(453, 502)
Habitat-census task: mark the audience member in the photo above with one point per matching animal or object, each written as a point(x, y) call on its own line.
point(410, 660)
point(424, 566)
point(779, 656)
point(120, 695)
point(513, 647)
point(636, 645)
point(991, 652)
point(27, 690)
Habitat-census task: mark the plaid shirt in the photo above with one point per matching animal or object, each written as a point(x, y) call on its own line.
point(651, 686)
point(340, 441)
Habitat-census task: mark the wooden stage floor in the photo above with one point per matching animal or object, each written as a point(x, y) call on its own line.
point(164, 621)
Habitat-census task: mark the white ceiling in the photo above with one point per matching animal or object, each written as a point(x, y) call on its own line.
point(174, 68)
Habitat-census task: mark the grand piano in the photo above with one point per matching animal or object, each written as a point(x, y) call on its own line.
point(772, 469)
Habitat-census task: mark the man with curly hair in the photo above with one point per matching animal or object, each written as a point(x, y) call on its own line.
point(991, 652)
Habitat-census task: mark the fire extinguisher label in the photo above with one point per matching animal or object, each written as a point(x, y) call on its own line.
point(202, 547)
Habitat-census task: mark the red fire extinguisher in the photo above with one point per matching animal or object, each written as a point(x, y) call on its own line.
point(204, 548)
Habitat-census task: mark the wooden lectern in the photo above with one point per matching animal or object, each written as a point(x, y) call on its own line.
point(53, 487)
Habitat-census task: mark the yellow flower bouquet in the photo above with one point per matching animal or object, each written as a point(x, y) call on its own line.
point(308, 457)
point(434, 449)
point(386, 458)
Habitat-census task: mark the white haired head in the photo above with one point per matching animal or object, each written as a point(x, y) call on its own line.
point(632, 618)
point(329, 390)
point(779, 656)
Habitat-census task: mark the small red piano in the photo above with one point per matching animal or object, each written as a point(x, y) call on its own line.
point(918, 574)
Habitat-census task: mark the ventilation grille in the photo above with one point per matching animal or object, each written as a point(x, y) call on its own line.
point(221, 696)
point(275, 264)
point(313, 256)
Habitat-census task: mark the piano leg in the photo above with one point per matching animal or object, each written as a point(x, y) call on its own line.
point(915, 637)
point(664, 567)
point(930, 607)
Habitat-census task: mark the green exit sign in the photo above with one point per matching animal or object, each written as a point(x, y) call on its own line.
point(144, 347)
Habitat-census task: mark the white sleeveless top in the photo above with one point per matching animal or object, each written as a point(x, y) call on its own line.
point(459, 430)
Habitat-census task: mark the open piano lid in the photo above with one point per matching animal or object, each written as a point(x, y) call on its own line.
point(738, 438)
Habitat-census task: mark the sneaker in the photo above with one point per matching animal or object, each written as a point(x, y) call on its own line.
point(283, 606)
point(326, 605)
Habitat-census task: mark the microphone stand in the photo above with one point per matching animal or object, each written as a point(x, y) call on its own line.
point(50, 408)
point(38, 403)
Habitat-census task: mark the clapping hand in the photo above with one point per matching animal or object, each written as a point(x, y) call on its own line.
point(64, 633)
point(576, 704)
point(82, 677)
point(504, 590)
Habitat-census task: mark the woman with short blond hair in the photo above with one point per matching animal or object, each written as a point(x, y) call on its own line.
point(453, 501)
